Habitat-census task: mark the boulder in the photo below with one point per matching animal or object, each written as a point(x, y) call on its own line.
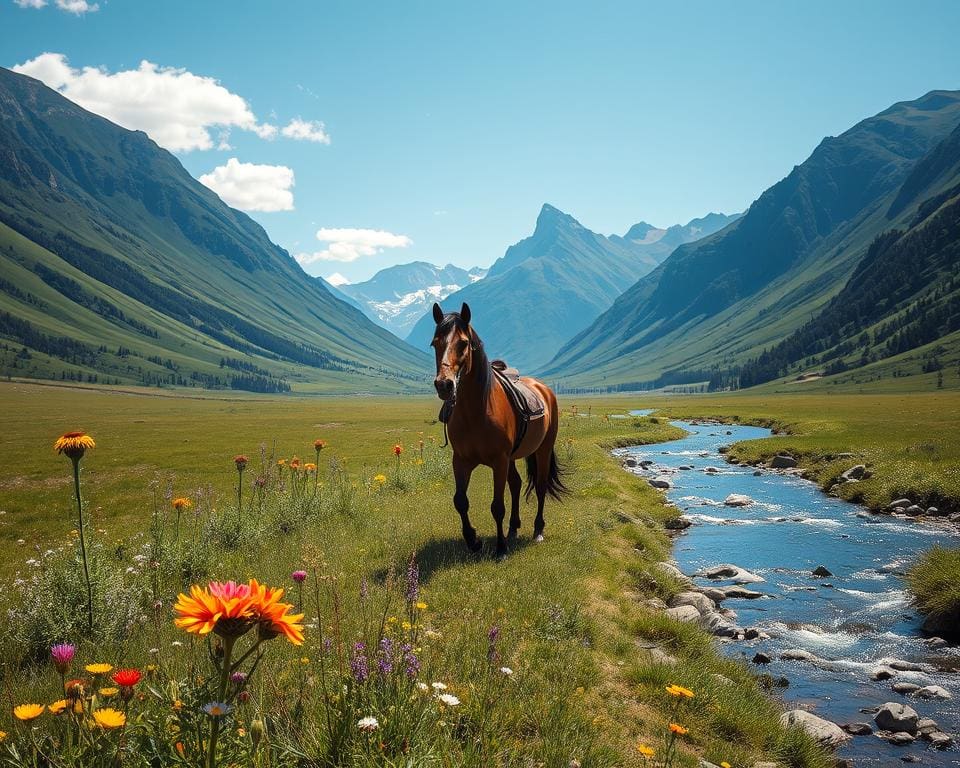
point(827, 733)
point(899, 738)
point(677, 524)
point(717, 595)
point(902, 666)
point(655, 604)
point(670, 569)
point(914, 510)
point(932, 512)
point(899, 503)
point(719, 626)
point(854, 473)
point(683, 613)
point(905, 688)
point(659, 482)
point(728, 572)
point(858, 729)
point(761, 658)
point(711, 470)
point(821, 571)
point(630, 461)
point(684, 467)
point(798, 654)
point(926, 726)
point(755, 633)
point(940, 740)
point(783, 461)
point(933, 692)
point(738, 500)
point(701, 602)
point(757, 472)
point(882, 673)
point(936, 643)
point(897, 717)
point(741, 593)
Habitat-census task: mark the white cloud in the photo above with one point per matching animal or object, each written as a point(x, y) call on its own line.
point(176, 108)
point(348, 244)
point(78, 7)
point(306, 130)
point(252, 187)
point(31, 3)
point(336, 279)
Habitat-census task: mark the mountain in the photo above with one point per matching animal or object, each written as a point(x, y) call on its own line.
point(552, 284)
point(118, 266)
point(398, 296)
point(720, 302)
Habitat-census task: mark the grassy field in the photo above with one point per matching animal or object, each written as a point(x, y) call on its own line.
point(570, 615)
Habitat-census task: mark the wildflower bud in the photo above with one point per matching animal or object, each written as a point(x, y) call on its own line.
point(243, 697)
point(257, 731)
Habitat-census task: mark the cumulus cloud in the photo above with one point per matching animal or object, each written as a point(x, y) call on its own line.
point(306, 130)
point(78, 7)
point(31, 3)
point(252, 187)
point(348, 244)
point(179, 110)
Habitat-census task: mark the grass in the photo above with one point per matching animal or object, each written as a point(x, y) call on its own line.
point(572, 620)
point(935, 581)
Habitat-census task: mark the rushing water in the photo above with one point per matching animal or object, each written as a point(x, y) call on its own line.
point(853, 618)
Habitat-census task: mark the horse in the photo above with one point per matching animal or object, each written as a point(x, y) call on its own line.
point(482, 428)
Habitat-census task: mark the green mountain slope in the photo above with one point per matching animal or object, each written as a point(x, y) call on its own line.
point(721, 301)
point(550, 285)
point(118, 265)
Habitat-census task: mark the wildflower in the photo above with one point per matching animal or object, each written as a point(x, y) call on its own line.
point(295, 463)
point(385, 656)
point(310, 467)
point(725, 764)
point(380, 479)
point(368, 724)
point(62, 655)
point(299, 576)
point(449, 699)
point(238, 678)
point(678, 729)
point(413, 580)
point(438, 686)
point(423, 687)
point(222, 608)
point(646, 751)
point(358, 663)
point(127, 678)
point(58, 706)
point(98, 669)
point(506, 671)
point(679, 691)
point(108, 692)
point(74, 689)
point(74, 444)
point(181, 503)
point(28, 712)
point(241, 462)
point(3, 736)
point(420, 606)
point(281, 463)
point(257, 731)
point(319, 445)
point(273, 617)
point(217, 709)
point(110, 718)
point(411, 664)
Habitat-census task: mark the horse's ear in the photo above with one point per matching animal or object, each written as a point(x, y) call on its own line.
point(437, 313)
point(465, 313)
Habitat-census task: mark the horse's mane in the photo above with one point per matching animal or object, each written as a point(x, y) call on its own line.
point(480, 362)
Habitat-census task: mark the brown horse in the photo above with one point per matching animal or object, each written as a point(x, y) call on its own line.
point(483, 427)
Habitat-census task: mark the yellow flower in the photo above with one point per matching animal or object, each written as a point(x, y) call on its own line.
point(27, 712)
point(110, 718)
point(392, 620)
point(380, 479)
point(646, 751)
point(680, 692)
point(108, 692)
point(304, 660)
point(678, 729)
point(725, 764)
point(74, 444)
point(3, 736)
point(407, 625)
point(98, 669)
point(421, 606)
point(58, 706)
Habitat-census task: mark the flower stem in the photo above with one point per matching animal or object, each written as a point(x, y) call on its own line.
point(222, 697)
point(83, 543)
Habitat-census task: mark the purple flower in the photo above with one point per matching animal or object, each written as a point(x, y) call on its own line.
point(411, 664)
point(358, 663)
point(239, 678)
point(492, 637)
point(299, 576)
point(413, 580)
point(385, 656)
point(364, 589)
point(62, 654)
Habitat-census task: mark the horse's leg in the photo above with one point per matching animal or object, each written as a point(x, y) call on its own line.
point(516, 485)
point(461, 474)
point(543, 454)
point(497, 508)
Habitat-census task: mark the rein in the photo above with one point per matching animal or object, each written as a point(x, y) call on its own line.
point(446, 410)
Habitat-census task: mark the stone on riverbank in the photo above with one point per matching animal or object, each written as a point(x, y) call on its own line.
point(783, 461)
point(905, 688)
point(821, 571)
point(933, 692)
point(701, 602)
point(738, 500)
point(858, 729)
point(827, 733)
point(854, 473)
point(897, 717)
point(683, 613)
point(728, 572)
point(660, 483)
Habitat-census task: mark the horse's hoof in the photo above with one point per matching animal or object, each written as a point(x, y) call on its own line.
point(512, 534)
point(538, 538)
point(501, 557)
point(475, 546)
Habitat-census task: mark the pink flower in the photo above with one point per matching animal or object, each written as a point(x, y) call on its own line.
point(62, 654)
point(299, 576)
point(229, 590)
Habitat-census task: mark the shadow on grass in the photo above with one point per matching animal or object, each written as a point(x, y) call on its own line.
point(440, 553)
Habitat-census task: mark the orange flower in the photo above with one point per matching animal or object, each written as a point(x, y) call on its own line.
point(274, 617)
point(319, 445)
point(74, 444)
point(680, 692)
point(127, 678)
point(222, 608)
point(181, 503)
point(295, 463)
point(241, 462)
point(678, 729)
point(397, 449)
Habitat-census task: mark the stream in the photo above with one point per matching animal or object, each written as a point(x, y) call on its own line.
point(850, 620)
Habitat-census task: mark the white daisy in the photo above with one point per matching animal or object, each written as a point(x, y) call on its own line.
point(449, 699)
point(368, 723)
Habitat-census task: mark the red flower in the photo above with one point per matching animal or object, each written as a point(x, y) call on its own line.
point(319, 445)
point(240, 461)
point(397, 449)
point(127, 678)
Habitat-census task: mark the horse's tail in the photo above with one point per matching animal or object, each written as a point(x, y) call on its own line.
point(555, 485)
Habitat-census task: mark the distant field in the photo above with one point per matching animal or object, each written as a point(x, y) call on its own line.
point(570, 610)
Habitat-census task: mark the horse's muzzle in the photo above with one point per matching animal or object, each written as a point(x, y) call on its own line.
point(446, 389)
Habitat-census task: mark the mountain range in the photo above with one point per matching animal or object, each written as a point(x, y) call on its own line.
point(118, 266)
point(554, 283)
point(807, 246)
point(398, 296)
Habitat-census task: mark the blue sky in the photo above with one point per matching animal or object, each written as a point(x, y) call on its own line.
point(451, 123)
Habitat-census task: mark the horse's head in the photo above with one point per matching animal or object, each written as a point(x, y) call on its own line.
point(454, 343)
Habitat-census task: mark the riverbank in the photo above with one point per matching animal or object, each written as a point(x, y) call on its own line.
point(589, 658)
